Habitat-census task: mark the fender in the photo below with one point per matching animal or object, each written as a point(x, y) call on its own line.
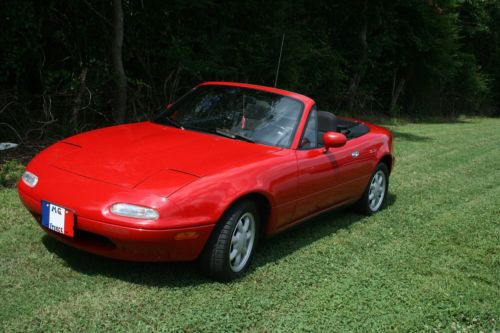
point(275, 179)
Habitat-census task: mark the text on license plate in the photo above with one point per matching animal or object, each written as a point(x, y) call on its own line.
point(57, 218)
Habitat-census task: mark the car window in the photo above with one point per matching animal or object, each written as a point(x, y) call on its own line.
point(252, 114)
point(310, 137)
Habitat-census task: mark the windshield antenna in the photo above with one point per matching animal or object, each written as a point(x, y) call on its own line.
point(279, 61)
point(243, 120)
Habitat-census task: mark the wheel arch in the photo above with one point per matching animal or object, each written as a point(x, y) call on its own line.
point(263, 203)
point(387, 160)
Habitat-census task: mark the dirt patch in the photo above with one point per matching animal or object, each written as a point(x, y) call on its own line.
point(23, 153)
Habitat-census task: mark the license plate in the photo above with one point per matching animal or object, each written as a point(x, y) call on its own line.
point(58, 219)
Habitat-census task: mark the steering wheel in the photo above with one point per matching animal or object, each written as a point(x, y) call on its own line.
point(280, 128)
point(282, 133)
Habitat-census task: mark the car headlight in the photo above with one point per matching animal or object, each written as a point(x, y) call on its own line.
point(135, 211)
point(29, 179)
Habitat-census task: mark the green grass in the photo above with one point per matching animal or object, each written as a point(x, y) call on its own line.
point(429, 262)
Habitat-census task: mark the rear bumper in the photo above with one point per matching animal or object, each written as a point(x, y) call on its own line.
point(135, 244)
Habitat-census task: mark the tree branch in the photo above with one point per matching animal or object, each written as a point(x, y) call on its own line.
point(95, 11)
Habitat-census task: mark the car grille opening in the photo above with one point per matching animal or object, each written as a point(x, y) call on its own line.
point(82, 237)
point(94, 239)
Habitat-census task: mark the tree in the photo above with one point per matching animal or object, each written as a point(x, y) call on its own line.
point(120, 96)
point(63, 63)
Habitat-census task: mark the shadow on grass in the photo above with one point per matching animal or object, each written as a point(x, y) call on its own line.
point(442, 120)
point(187, 274)
point(284, 244)
point(410, 137)
point(153, 274)
point(385, 120)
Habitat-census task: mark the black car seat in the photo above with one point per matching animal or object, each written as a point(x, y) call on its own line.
point(327, 122)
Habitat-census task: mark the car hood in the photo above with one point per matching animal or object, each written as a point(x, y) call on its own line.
point(132, 154)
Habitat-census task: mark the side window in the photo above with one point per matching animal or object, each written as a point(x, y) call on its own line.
point(310, 137)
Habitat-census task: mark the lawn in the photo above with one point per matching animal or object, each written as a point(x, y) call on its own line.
point(429, 262)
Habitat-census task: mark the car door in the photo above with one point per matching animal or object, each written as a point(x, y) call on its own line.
point(328, 178)
point(317, 172)
point(354, 164)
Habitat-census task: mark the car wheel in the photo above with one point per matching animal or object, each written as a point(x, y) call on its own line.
point(230, 248)
point(375, 195)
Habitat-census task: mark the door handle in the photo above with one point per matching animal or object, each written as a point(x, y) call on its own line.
point(355, 154)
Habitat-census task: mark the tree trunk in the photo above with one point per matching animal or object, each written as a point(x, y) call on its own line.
point(120, 96)
point(78, 101)
point(396, 92)
point(352, 91)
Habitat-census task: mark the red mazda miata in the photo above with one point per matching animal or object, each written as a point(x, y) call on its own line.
point(225, 165)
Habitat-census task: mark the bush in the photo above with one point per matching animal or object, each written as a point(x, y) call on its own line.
point(10, 172)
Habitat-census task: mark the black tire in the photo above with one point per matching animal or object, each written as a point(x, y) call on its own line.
point(215, 260)
point(364, 205)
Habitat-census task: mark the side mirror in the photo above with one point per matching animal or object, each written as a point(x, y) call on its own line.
point(334, 140)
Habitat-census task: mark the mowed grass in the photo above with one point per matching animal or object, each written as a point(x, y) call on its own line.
point(429, 262)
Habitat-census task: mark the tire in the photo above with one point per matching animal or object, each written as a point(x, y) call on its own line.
point(375, 196)
point(230, 249)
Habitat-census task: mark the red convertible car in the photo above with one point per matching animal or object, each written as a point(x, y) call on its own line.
point(225, 165)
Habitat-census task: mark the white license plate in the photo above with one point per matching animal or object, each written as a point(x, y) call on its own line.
point(58, 219)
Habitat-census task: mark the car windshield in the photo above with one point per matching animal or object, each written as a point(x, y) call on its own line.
point(238, 113)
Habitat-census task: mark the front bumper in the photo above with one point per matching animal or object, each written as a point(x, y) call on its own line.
point(126, 243)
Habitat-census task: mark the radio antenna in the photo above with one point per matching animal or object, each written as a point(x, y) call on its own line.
point(279, 61)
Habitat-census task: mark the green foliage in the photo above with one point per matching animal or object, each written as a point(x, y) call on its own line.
point(427, 263)
point(471, 85)
point(480, 36)
point(10, 172)
point(350, 56)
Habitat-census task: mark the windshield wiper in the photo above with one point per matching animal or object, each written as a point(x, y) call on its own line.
point(200, 129)
point(233, 135)
point(173, 122)
point(219, 131)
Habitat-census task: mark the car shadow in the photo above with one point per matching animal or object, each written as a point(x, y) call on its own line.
point(282, 245)
point(186, 273)
point(153, 274)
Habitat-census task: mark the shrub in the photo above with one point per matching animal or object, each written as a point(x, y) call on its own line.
point(10, 172)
